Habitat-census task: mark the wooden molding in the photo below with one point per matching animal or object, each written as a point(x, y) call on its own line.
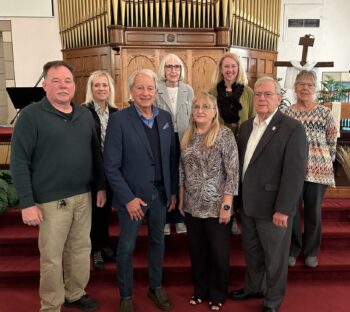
point(167, 37)
point(116, 35)
point(222, 36)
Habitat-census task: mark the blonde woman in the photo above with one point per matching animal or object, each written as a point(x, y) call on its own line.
point(208, 182)
point(234, 96)
point(99, 100)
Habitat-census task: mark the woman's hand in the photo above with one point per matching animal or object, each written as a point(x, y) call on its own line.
point(225, 215)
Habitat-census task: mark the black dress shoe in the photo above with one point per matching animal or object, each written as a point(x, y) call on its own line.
point(240, 294)
point(85, 303)
point(267, 309)
point(160, 298)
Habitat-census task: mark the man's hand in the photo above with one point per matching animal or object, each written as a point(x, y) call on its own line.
point(172, 204)
point(280, 219)
point(134, 208)
point(32, 216)
point(100, 198)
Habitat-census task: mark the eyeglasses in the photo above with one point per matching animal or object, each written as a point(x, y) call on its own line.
point(266, 95)
point(304, 84)
point(171, 67)
point(204, 107)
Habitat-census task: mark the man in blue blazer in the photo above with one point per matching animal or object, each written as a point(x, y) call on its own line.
point(273, 154)
point(139, 165)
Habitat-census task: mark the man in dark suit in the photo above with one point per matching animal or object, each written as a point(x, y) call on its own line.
point(273, 153)
point(139, 165)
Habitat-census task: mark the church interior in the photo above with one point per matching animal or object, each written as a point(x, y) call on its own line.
point(120, 36)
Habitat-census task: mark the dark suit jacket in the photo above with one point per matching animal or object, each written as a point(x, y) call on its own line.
point(128, 159)
point(275, 175)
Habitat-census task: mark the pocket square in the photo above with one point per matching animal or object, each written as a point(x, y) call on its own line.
point(166, 126)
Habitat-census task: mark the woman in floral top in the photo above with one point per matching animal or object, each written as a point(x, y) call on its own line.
point(321, 134)
point(208, 182)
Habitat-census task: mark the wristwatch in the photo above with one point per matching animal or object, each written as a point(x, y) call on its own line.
point(227, 207)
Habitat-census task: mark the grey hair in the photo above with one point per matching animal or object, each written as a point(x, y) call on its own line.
point(143, 72)
point(167, 57)
point(306, 73)
point(264, 79)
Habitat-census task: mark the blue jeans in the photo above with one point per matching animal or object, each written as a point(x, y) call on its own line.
point(155, 212)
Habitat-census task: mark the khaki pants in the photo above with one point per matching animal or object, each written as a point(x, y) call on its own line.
point(64, 237)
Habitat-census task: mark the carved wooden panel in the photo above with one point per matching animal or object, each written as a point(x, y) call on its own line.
point(203, 68)
point(199, 65)
point(85, 61)
point(257, 63)
point(168, 37)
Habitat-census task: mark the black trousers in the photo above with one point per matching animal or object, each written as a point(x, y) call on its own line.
point(209, 247)
point(100, 221)
point(312, 197)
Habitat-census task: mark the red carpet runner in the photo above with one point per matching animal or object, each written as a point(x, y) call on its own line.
point(325, 288)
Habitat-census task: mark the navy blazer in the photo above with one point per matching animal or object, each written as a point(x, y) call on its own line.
point(275, 175)
point(128, 159)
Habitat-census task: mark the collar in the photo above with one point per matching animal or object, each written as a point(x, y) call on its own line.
point(155, 112)
point(98, 109)
point(50, 108)
point(266, 121)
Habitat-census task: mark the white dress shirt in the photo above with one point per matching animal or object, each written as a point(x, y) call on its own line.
point(254, 138)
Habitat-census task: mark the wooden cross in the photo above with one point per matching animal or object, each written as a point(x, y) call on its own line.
point(306, 41)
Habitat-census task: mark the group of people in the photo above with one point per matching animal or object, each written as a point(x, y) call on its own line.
point(172, 157)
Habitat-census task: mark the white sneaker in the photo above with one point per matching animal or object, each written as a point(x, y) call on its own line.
point(311, 262)
point(167, 229)
point(291, 261)
point(180, 228)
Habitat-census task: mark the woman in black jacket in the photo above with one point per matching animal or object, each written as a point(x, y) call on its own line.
point(100, 101)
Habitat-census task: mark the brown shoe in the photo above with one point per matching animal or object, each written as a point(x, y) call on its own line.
point(160, 298)
point(126, 305)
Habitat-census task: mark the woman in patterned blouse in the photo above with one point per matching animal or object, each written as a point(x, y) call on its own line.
point(321, 133)
point(208, 182)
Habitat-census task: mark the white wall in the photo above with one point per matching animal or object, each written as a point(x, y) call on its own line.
point(332, 39)
point(35, 42)
point(26, 8)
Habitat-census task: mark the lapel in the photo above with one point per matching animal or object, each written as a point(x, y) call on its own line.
point(270, 131)
point(244, 136)
point(162, 124)
point(163, 94)
point(137, 123)
point(180, 97)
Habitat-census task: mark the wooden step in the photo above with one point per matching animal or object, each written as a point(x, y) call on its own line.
point(333, 265)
